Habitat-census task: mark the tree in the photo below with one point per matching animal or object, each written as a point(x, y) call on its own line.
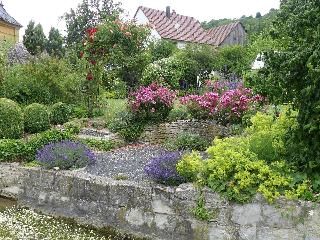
point(34, 38)
point(233, 59)
point(88, 14)
point(55, 43)
point(293, 72)
point(162, 49)
point(29, 36)
point(258, 15)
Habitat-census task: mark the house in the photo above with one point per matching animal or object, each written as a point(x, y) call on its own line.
point(9, 27)
point(183, 29)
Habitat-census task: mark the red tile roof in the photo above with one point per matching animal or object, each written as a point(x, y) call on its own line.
point(183, 28)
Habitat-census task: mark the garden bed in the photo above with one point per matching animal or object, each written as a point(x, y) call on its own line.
point(126, 163)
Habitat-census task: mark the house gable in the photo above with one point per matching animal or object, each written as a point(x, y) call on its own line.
point(9, 27)
point(237, 36)
point(141, 18)
point(174, 27)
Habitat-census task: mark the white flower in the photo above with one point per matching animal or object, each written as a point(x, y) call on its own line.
point(311, 213)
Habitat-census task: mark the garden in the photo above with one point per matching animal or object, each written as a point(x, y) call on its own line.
point(90, 104)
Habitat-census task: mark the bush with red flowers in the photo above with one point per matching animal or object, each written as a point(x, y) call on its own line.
point(118, 47)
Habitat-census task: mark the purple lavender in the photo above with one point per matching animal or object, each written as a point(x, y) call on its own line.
point(162, 169)
point(65, 155)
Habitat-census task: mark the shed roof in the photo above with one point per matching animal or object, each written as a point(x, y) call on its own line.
point(220, 33)
point(7, 18)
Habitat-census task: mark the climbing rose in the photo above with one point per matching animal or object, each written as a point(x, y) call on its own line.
point(89, 76)
point(91, 31)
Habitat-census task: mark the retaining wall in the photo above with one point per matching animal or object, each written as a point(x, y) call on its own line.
point(157, 134)
point(161, 212)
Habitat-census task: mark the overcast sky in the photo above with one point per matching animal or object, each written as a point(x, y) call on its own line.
point(47, 12)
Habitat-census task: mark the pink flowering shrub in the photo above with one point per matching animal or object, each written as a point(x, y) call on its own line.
point(152, 103)
point(201, 107)
point(228, 107)
point(234, 104)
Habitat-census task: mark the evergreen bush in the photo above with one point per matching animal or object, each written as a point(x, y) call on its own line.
point(11, 119)
point(36, 118)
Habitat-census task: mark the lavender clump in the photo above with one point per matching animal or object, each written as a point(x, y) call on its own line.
point(162, 169)
point(65, 155)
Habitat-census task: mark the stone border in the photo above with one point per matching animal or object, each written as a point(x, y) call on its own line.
point(155, 211)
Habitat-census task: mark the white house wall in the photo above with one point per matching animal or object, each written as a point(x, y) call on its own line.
point(142, 19)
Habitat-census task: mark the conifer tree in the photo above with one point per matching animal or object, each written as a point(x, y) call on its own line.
point(55, 43)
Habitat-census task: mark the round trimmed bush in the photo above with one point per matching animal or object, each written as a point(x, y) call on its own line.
point(60, 113)
point(11, 119)
point(36, 118)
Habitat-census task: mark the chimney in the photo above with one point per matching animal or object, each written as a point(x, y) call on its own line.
point(168, 13)
point(1, 4)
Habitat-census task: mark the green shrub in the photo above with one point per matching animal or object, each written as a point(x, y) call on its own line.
point(180, 113)
point(100, 145)
point(166, 72)
point(82, 112)
point(187, 141)
point(114, 106)
point(25, 150)
point(36, 118)
point(46, 80)
point(79, 112)
point(12, 150)
point(239, 167)
point(73, 127)
point(236, 172)
point(127, 126)
point(42, 139)
point(267, 134)
point(190, 166)
point(162, 49)
point(11, 119)
point(60, 113)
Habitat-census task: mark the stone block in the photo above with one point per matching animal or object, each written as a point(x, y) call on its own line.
point(121, 195)
point(248, 233)
point(276, 217)
point(249, 214)
point(161, 206)
point(279, 234)
point(217, 232)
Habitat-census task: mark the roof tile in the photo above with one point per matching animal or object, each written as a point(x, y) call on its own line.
point(183, 28)
point(7, 18)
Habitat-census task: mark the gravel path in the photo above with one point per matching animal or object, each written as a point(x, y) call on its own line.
point(127, 162)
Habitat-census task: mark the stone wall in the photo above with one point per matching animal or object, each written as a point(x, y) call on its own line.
point(161, 212)
point(157, 134)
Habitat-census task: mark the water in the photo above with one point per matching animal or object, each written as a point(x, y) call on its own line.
point(17, 224)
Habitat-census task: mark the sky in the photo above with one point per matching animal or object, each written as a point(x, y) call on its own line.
point(47, 12)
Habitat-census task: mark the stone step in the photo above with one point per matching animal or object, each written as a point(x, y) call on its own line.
point(11, 192)
point(89, 133)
